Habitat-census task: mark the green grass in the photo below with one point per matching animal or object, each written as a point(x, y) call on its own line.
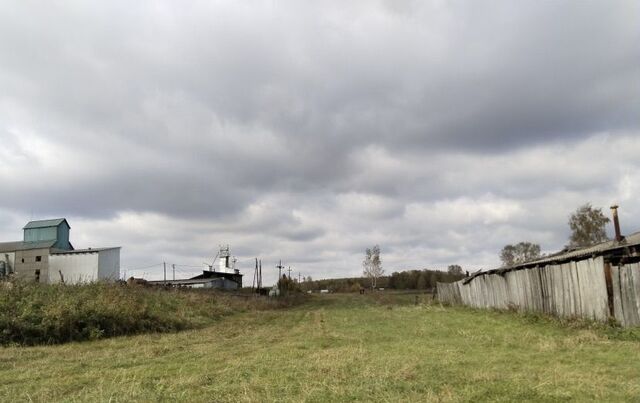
point(339, 348)
point(49, 314)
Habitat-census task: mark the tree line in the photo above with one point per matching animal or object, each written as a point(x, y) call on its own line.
point(587, 226)
point(403, 280)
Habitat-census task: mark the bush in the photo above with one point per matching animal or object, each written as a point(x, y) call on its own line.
point(33, 313)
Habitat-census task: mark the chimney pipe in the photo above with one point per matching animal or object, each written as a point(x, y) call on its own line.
point(616, 223)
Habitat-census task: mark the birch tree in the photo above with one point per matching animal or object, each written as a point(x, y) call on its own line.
point(372, 265)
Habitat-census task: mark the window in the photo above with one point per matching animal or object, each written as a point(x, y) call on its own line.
point(37, 276)
point(22, 260)
point(38, 258)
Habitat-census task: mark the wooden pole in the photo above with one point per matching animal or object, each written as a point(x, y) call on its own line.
point(255, 276)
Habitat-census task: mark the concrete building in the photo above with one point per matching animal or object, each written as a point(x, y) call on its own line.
point(45, 255)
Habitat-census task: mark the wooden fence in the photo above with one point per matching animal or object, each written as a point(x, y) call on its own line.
point(626, 294)
point(573, 289)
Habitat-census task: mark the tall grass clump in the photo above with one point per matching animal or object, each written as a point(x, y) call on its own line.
point(48, 314)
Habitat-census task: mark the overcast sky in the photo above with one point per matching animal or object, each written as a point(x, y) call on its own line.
point(308, 131)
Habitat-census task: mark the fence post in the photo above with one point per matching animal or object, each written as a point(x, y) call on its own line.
point(609, 282)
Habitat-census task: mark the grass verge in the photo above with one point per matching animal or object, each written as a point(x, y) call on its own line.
point(338, 348)
point(49, 314)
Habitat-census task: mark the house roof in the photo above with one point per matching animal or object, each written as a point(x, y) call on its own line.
point(46, 223)
point(186, 281)
point(20, 245)
point(214, 274)
point(206, 277)
point(71, 252)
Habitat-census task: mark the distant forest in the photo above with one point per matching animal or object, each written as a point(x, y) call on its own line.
point(404, 280)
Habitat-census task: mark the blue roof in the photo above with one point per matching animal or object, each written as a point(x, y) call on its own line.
point(46, 223)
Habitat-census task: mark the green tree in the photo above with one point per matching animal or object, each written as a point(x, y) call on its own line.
point(519, 253)
point(287, 286)
point(433, 279)
point(587, 226)
point(423, 281)
point(455, 269)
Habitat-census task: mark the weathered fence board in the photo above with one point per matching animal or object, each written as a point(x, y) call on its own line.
point(626, 293)
point(573, 289)
point(449, 292)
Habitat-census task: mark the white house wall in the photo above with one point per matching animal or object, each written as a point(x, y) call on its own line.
point(76, 267)
point(109, 264)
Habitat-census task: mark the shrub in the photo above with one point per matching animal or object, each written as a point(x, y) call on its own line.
point(33, 313)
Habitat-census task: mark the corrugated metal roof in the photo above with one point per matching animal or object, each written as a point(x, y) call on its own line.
point(629, 240)
point(46, 223)
point(213, 274)
point(563, 256)
point(71, 252)
point(20, 245)
point(186, 282)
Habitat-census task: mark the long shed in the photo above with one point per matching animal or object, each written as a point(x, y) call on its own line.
point(600, 282)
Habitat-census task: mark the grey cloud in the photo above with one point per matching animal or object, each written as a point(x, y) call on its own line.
point(310, 131)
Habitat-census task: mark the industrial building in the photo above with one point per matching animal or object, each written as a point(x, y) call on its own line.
point(45, 255)
point(226, 277)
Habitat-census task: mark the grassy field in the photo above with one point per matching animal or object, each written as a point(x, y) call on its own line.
point(339, 348)
point(36, 314)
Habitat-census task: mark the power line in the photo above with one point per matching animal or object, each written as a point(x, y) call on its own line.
point(176, 267)
point(143, 267)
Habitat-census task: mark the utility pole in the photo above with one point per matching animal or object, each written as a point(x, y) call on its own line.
point(260, 274)
point(255, 275)
point(173, 266)
point(289, 272)
point(164, 265)
point(280, 267)
point(299, 278)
